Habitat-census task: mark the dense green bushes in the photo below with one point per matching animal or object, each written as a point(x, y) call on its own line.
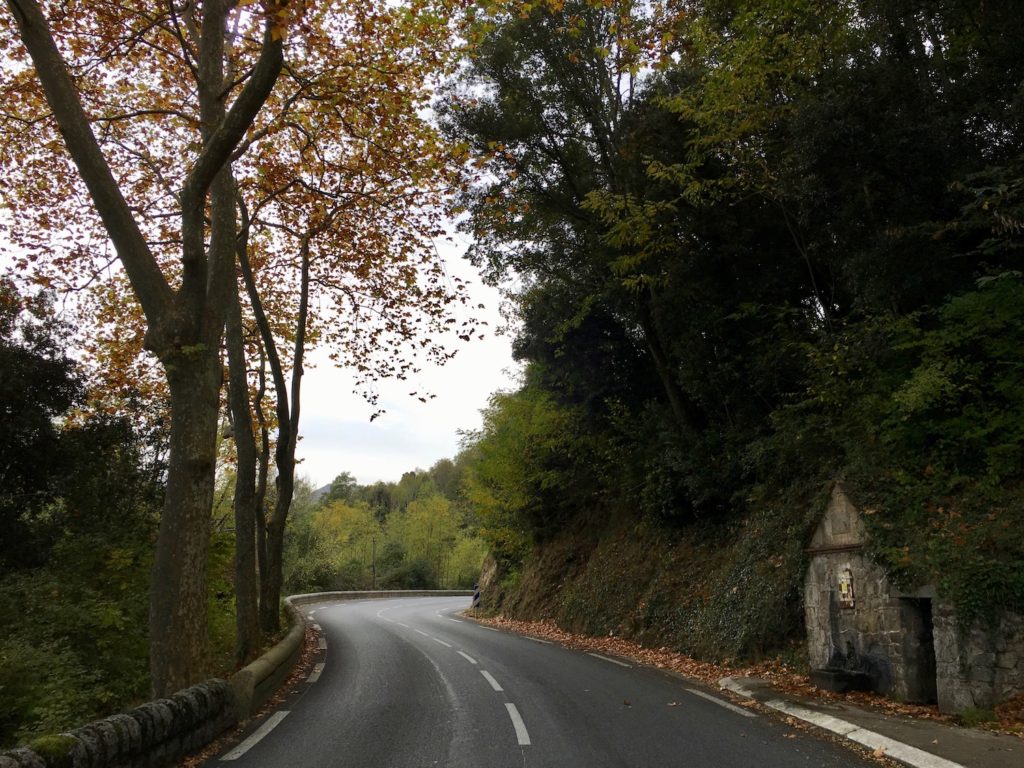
point(79, 508)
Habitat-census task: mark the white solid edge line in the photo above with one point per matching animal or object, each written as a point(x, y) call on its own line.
point(894, 749)
point(522, 735)
point(731, 684)
point(722, 703)
point(322, 644)
point(315, 674)
point(457, 621)
point(538, 640)
point(613, 661)
point(257, 736)
point(467, 657)
point(490, 679)
point(442, 642)
point(492, 629)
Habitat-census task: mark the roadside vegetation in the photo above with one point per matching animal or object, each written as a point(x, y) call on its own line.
point(752, 248)
point(417, 533)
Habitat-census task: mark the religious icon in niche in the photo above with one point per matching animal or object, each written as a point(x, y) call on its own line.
point(846, 589)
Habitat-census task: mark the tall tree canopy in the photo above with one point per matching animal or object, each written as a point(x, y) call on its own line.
point(736, 239)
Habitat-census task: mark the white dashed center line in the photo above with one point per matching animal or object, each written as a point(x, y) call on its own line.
point(522, 736)
point(467, 657)
point(442, 642)
point(490, 679)
point(422, 633)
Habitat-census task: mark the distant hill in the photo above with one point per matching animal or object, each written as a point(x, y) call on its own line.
point(319, 493)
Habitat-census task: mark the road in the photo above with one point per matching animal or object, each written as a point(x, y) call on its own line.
point(408, 683)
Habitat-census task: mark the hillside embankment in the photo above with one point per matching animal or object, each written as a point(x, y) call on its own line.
point(716, 591)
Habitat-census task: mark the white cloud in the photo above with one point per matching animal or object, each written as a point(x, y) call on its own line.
point(338, 436)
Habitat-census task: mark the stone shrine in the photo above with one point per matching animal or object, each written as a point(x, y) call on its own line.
point(863, 632)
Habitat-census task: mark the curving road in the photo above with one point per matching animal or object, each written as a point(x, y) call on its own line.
point(407, 683)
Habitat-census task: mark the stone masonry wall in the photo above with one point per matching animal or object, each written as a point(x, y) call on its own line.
point(867, 637)
point(910, 644)
point(977, 667)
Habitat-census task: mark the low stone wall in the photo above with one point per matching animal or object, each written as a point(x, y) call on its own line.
point(163, 731)
point(253, 685)
point(320, 597)
point(154, 734)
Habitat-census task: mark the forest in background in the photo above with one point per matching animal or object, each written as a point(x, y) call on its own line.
point(416, 533)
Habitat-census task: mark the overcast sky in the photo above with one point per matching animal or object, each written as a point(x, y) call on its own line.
point(335, 427)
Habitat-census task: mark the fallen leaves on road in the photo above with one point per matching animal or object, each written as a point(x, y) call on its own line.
point(775, 672)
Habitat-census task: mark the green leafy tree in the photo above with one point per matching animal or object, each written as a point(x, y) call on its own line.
point(77, 540)
point(38, 385)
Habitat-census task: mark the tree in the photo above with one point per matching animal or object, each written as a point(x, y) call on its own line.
point(526, 468)
point(795, 257)
point(634, 298)
point(250, 488)
point(206, 71)
point(38, 385)
point(340, 211)
point(78, 511)
point(343, 488)
point(336, 179)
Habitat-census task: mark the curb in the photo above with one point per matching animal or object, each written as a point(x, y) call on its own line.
point(374, 594)
point(254, 684)
point(897, 750)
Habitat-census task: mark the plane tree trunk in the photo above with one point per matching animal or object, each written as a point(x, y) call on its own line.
point(184, 323)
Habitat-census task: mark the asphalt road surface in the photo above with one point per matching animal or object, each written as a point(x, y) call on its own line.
point(408, 683)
